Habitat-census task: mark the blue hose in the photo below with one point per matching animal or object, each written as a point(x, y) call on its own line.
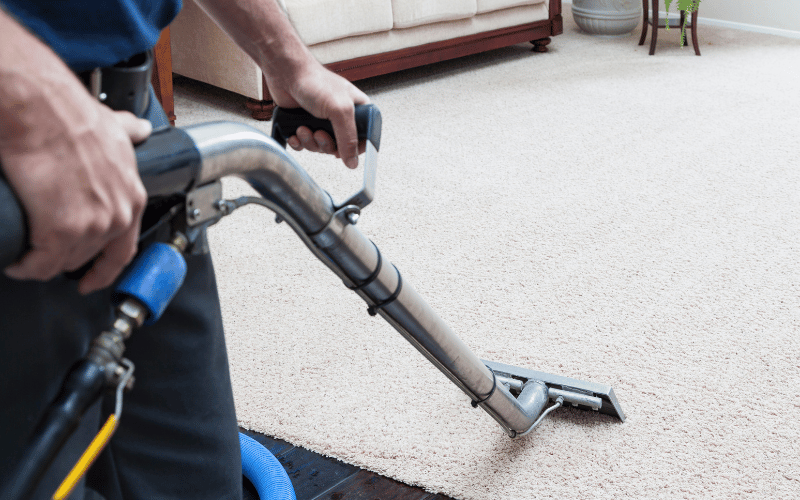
point(264, 471)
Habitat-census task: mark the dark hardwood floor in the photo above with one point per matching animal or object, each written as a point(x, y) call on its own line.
point(315, 477)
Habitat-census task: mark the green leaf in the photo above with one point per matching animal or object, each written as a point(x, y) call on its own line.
point(688, 5)
point(666, 2)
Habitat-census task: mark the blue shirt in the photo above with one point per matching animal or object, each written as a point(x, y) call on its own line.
point(87, 34)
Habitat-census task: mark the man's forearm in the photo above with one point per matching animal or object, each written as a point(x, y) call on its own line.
point(262, 30)
point(32, 79)
point(294, 78)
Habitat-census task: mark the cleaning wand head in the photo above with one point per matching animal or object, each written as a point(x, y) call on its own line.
point(578, 393)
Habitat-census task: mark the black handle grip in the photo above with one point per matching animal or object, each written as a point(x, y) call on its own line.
point(168, 164)
point(286, 121)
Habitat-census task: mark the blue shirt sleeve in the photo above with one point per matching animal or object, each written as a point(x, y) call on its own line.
point(87, 34)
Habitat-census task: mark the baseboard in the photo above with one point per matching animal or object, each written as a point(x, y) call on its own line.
point(749, 27)
point(732, 25)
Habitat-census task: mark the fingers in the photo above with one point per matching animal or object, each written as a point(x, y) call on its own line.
point(61, 244)
point(343, 119)
point(318, 142)
point(344, 127)
point(38, 264)
point(138, 129)
point(110, 262)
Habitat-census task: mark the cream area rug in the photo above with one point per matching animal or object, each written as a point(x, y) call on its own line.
point(592, 212)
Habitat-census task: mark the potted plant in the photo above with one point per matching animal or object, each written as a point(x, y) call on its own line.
point(620, 17)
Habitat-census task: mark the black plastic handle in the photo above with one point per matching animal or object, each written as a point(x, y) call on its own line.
point(286, 121)
point(168, 164)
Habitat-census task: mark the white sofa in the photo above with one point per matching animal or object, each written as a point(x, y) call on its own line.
point(364, 38)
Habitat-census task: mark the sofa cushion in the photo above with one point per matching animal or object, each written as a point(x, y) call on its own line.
point(409, 13)
point(319, 21)
point(388, 41)
point(492, 5)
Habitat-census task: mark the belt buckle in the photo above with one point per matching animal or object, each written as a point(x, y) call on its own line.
point(96, 85)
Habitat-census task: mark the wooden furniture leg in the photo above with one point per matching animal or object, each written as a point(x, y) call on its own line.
point(655, 28)
point(162, 75)
point(645, 21)
point(695, 43)
point(541, 44)
point(260, 110)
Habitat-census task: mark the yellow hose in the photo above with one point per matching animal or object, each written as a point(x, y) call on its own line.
point(87, 459)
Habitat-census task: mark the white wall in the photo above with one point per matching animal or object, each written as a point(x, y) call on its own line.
point(778, 17)
point(772, 15)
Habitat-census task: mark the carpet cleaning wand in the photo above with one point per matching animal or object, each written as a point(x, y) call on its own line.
point(513, 396)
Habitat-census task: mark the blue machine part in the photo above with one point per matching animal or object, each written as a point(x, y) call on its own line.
point(154, 278)
point(264, 471)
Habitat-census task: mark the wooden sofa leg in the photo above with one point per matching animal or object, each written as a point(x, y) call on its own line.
point(541, 44)
point(260, 110)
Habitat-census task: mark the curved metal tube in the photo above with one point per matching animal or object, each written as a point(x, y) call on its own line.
point(232, 149)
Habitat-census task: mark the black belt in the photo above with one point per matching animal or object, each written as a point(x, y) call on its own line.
point(124, 86)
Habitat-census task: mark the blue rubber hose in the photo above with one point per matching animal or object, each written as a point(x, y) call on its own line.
point(264, 471)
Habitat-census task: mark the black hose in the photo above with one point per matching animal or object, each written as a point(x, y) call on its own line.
point(82, 388)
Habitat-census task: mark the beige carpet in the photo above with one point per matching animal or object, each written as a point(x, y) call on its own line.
point(592, 212)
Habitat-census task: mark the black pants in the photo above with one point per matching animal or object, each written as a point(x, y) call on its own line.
point(178, 433)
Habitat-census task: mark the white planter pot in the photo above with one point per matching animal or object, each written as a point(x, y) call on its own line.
point(607, 17)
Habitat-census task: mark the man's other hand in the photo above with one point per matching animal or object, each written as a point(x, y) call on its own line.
point(325, 95)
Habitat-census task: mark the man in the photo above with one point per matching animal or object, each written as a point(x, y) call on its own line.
point(70, 161)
